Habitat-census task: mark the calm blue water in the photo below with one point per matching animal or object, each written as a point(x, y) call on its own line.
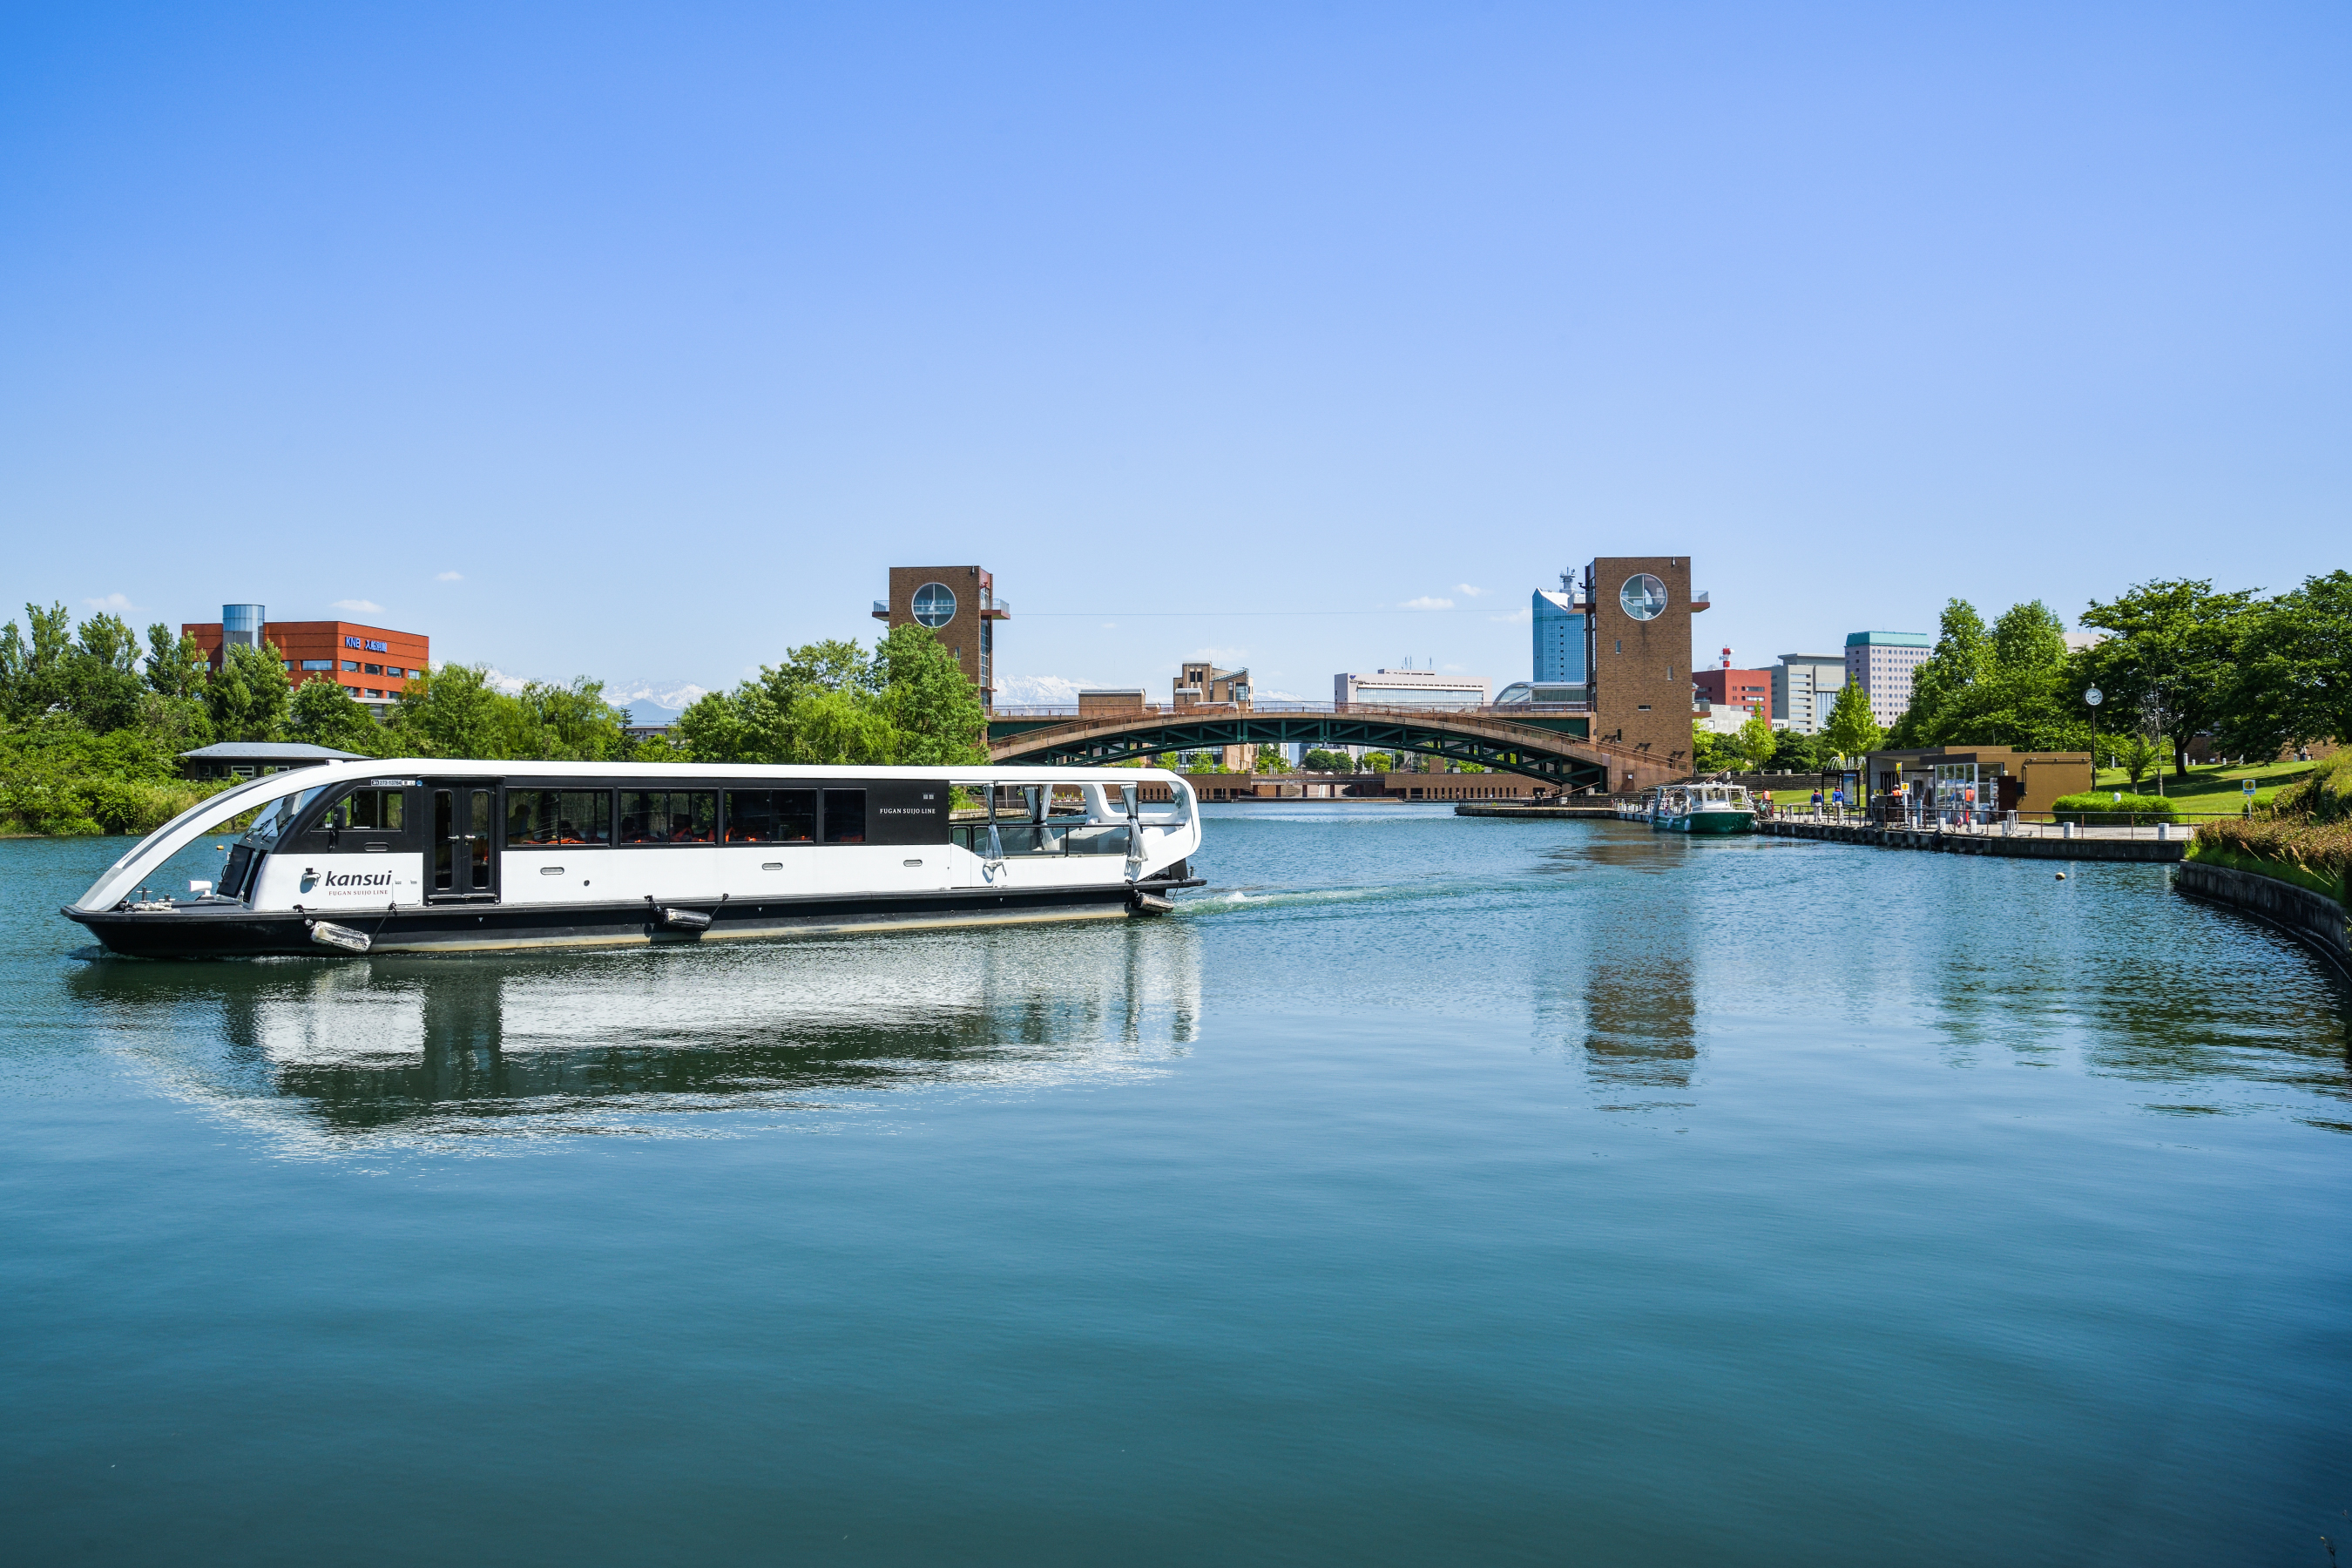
point(1431, 1190)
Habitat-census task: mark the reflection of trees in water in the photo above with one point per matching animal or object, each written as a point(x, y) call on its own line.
point(376, 1043)
point(2222, 1017)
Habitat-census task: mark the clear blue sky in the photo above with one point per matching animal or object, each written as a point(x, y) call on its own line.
point(671, 330)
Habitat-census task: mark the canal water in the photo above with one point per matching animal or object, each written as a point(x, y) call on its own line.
point(1427, 1190)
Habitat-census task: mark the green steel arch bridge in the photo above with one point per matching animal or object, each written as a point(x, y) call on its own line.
point(1556, 749)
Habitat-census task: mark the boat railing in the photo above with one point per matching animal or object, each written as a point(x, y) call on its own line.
point(1055, 836)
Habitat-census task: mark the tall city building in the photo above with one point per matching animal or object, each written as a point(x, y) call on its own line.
point(1804, 689)
point(1882, 664)
point(960, 604)
point(1560, 621)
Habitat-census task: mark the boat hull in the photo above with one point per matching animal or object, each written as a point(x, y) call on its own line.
point(232, 931)
point(1708, 823)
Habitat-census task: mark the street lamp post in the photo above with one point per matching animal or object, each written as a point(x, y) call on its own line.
point(2095, 697)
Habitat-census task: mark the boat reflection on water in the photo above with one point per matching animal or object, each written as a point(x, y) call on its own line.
point(436, 1048)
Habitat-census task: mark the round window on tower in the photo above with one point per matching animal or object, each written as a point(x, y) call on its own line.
point(935, 604)
point(1643, 597)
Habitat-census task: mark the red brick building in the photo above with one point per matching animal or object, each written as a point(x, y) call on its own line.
point(372, 663)
point(1747, 689)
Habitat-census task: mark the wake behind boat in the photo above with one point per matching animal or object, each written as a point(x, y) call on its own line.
point(442, 856)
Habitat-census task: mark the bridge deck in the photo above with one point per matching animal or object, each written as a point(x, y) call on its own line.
point(1546, 749)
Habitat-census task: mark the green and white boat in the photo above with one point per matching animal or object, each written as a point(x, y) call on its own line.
point(1701, 808)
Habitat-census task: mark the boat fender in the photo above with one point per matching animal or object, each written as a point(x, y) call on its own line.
point(327, 933)
point(1148, 904)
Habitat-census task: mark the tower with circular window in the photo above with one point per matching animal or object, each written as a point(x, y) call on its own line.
point(1643, 597)
point(935, 605)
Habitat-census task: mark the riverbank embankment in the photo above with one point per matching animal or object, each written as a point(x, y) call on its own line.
point(2020, 841)
point(2316, 920)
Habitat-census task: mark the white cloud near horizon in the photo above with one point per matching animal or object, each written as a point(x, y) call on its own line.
point(1465, 588)
point(449, 577)
point(360, 607)
point(113, 604)
point(1426, 603)
point(1524, 613)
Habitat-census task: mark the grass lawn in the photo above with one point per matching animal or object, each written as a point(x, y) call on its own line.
point(2213, 791)
point(2201, 791)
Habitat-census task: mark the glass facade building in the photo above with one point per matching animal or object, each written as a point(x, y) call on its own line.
point(241, 625)
point(1559, 627)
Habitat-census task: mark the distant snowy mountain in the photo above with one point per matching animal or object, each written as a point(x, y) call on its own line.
point(1041, 690)
point(652, 700)
point(1060, 691)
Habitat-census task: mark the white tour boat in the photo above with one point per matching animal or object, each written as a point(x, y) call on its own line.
point(437, 856)
point(1703, 808)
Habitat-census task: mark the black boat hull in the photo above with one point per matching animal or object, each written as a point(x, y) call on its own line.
point(194, 931)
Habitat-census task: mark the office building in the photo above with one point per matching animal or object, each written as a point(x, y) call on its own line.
point(1882, 664)
point(1411, 689)
point(1203, 685)
point(375, 664)
point(1744, 689)
point(1561, 621)
point(960, 604)
point(1804, 689)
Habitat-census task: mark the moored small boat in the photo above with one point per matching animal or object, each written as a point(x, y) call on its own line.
point(1711, 809)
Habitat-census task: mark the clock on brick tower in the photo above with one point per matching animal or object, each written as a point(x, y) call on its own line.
point(1638, 652)
point(959, 604)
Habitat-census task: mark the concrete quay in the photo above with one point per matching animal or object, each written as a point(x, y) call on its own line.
point(1601, 811)
point(2024, 841)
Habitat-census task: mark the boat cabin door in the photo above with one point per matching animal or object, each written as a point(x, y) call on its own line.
point(463, 859)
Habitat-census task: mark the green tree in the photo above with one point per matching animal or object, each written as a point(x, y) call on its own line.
point(2137, 755)
point(1270, 760)
point(2174, 642)
point(247, 700)
point(452, 710)
point(2008, 687)
point(911, 703)
point(322, 713)
point(1322, 760)
point(98, 679)
point(2290, 682)
point(928, 700)
point(1793, 752)
point(1962, 657)
point(1756, 740)
point(33, 669)
point(176, 667)
point(574, 722)
point(1708, 754)
point(1852, 731)
point(1379, 762)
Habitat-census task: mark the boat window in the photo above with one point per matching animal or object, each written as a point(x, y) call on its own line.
point(367, 810)
point(276, 817)
point(669, 816)
point(559, 816)
point(772, 815)
point(845, 817)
